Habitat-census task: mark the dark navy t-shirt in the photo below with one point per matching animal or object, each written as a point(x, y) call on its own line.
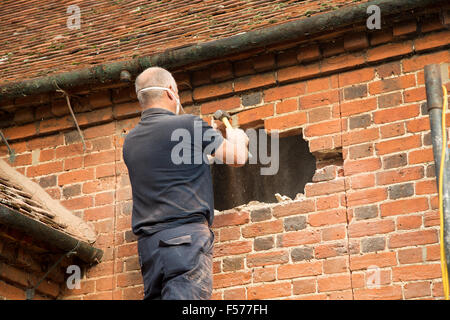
point(169, 173)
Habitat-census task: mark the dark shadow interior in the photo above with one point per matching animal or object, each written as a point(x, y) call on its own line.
point(237, 186)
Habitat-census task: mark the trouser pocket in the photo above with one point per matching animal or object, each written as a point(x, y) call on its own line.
point(178, 255)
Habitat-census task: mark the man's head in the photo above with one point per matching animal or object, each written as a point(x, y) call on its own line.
point(155, 87)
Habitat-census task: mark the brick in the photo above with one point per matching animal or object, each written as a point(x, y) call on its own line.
point(323, 188)
point(233, 264)
point(389, 51)
point(224, 104)
point(335, 265)
point(361, 151)
point(433, 252)
point(421, 156)
point(362, 181)
point(319, 99)
point(48, 181)
point(261, 214)
point(264, 243)
point(231, 219)
point(426, 187)
point(264, 62)
point(99, 213)
point(98, 158)
point(361, 121)
point(44, 169)
point(25, 131)
point(327, 202)
point(308, 53)
point(325, 174)
point(373, 244)
point(327, 218)
point(342, 62)
point(408, 256)
point(301, 254)
point(403, 206)
point(399, 113)
point(395, 161)
point(381, 293)
point(269, 258)
point(416, 272)
point(75, 176)
point(387, 70)
point(288, 121)
point(253, 81)
point(379, 259)
point(333, 233)
point(397, 145)
point(298, 72)
point(321, 144)
point(404, 28)
point(400, 175)
point(412, 238)
point(323, 251)
point(235, 294)
point(292, 208)
point(264, 274)
point(400, 191)
point(262, 228)
point(433, 40)
point(324, 128)
point(297, 238)
point(232, 248)
point(368, 212)
point(251, 99)
point(286, 91)
point(304, 286)
point(355, 91)
point(356, 77)
point(418, 62)
point(287, 106)
point(295, 223)
point(361, 197)
point(221, 71)
point(318, 84)
point(390, 100)
point(212, 90)
point(268, 291)
point(414, 95)
point(334, 283)
point(352, 167)
point(255, 114)
point(297, 270)
point(417, 289)
point(319, 114)
point(360, 136)
point(356, 41)
point(368, 228)
point(392, 130)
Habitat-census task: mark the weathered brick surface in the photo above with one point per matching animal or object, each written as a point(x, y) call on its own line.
point(371, 203)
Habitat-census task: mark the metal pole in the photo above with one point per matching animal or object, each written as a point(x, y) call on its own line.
point(433, 82)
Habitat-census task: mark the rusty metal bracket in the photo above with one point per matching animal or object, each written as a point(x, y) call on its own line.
point(73, 115)
point(12, 155)
point(31, 291)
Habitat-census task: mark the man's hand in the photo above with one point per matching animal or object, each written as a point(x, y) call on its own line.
point(237, 136)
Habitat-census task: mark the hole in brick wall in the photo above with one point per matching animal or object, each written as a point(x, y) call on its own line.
point(237, 186)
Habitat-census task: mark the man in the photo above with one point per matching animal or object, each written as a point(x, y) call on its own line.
point(173, 207)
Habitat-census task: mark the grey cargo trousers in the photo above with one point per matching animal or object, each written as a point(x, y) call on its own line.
point(176, 263)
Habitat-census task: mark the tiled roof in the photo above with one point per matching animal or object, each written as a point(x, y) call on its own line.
point(35, 40)
point(13, 196)
point(22, 195)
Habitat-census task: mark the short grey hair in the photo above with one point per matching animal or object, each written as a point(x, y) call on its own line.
point(153, 77)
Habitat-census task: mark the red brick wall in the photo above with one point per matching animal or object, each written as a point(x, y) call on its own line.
point(359, 97)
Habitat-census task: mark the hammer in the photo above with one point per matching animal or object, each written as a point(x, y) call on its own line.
point(224, 116)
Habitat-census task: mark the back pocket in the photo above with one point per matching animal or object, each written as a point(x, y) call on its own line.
point(177, 255)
